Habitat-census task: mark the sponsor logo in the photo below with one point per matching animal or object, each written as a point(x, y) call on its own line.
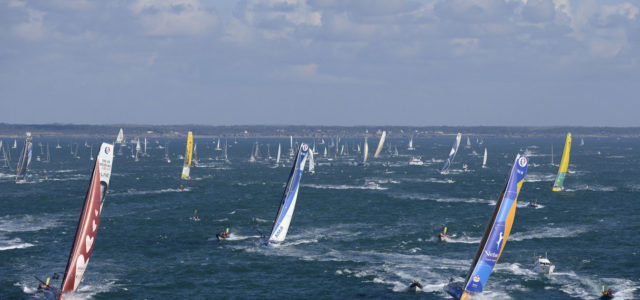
point(305, 147)
point(476, 278)
point(107, 150)
point(499, 240)
point(522, 161)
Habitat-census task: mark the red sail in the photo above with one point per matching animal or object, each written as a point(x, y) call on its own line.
point(85, 235)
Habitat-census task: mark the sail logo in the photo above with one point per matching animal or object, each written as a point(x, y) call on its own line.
point(305, 147)
point(107, 149)
point(522, 161)
point(476, 278)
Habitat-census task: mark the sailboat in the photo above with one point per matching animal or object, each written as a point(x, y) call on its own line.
point(380, 144)
point(484, 159)
point(138, 149)
point(218, 146)
point(252, 159)
point(166, 153)
point(90, 152)
point(194, 159)
point(87, 226)
point(144, 153)
point(558, 185)
point(452, 155)
point(58, 145)
point(24, 160)
point(468, 143)
point(411, 148)
point(581, 142)
point(15, 144)
point(278, 156)
point(495, 236)
point(120, 137)
point(366, 151)
point(186, 167)
point(291, 146)
point(226, 152)
point(288, 203)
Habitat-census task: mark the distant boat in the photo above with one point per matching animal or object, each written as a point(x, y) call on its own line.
point(291, 146)
point(278, 156)
point(218, 146)
point(253, 157)
point(226, 151)
point(87, 226)
point(138, 149)
point(443, 237)
point(186, 167)
point(166, 153)
point(411, 148)
point(120, 137)
point(495, 236)
point(581, 142)
point(144, 152)
point(380, 144)
point(24, 160)
point(288, 203)
point(325, 152)
point(58, 145)
point(366, 151)
point(194, 158)
point(484, 159)
point(416, 161)
point(15, 144)
point(468, 143)
point(90, 152)
point(558, 185)
point(452, 155)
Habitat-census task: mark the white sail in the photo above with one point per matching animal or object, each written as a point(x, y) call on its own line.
point(484, 159)
point(120, 137)
point(312, 164)
point(138, 148)
point(325, 152)
point(366, 151)
point(468, 143)
point(145, 146)
point(380, 144)
point(279, 152)
point(410, 148)
point(291, 146)
point(218, 146)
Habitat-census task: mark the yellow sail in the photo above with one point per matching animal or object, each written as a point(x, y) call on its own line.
point(564, 165)
point(187, 157)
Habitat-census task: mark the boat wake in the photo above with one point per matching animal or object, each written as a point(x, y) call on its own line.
point(26, 223)
point(15, 243)
point(428, 180)
point(438, 198)
point(533, 177)
point(344, 187)
point(548, 232)
point(151, 192)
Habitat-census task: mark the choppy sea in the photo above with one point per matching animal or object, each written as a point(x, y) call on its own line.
point(347, 239)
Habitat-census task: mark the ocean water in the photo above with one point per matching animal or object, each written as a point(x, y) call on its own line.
point(346, 240)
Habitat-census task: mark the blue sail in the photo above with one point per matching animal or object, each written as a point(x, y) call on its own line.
point(288, 203)
point(452, 154)
point(496, 235)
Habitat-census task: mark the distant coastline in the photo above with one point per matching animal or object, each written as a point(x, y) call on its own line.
point(275, 131)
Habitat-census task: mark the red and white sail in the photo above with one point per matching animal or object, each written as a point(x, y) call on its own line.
point(89, 220)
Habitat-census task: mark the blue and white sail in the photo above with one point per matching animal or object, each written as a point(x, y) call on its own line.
point(452, 154)
point(288, 203)
point(495, 236)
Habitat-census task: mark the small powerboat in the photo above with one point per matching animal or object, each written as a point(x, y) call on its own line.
point(415, 287)
point(223, 235)
point(606, 295)
point(533, 204)
point(544, 266)
point(416, 161)
point(371, 184)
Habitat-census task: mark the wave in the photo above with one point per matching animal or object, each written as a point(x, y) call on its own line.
point(548, 232)
point(438, 198)
point(534, 177)
point(428, 180)
point(344, 187)
point(161, 191)
point(15, 243)
point(26, 223)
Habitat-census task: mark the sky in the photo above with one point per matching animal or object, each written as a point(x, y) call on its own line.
point(321, 62)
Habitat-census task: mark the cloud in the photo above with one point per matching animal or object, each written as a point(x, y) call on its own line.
point(33, 28)
point(174, 17)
